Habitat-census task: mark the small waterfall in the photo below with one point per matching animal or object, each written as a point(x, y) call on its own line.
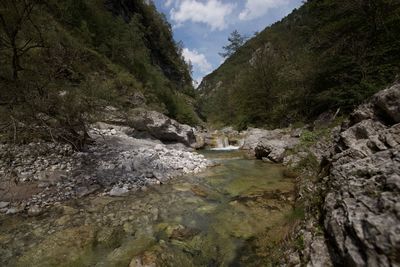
point(222, 143)
point(225, 141)
point(219, 142)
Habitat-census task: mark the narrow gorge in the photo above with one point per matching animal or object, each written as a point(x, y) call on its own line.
point(287, 154)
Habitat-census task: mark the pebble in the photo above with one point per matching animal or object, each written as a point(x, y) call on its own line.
point(34, 210)
point(118, 192)
point(4, 204)
point(12, 211)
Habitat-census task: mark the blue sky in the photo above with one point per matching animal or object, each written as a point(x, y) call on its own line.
point(204, 25)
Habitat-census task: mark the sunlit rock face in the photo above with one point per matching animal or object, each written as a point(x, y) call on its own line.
point(161, 127)
point(270, 145)
point(361, 208)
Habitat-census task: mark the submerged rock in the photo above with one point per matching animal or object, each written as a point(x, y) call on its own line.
point(199, 191)
point(109, 237)
point(147, 259)
point(60, 248)
point(122, 255)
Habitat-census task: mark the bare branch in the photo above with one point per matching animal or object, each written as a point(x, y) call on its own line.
point(15, 129)
point(27, 49)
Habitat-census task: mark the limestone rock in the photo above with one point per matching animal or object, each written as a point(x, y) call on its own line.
point(360, 209)
point(387, 101)
point(49, 173)
point(34, 210)
point(161, 127)
point(119, 192)
point(274, 149)
point(4, 204)
point(319, 254)
point(254, 135)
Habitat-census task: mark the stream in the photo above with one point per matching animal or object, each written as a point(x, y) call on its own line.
point(224, 216)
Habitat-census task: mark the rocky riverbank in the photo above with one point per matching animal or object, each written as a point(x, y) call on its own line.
point(120, 160)
point(361, 211)
point(348, 180)
point(348, 175)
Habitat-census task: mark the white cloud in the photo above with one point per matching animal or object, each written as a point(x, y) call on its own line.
point(210, 12)
point(196, 82)
point(198, 60)
point(168, 3)
point(257, 8)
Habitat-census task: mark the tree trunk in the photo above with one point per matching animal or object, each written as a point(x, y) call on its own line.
point(15, 61)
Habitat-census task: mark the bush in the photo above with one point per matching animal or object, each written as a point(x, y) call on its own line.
point(308, 137)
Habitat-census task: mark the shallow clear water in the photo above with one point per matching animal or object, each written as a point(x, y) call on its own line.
point(196, 220)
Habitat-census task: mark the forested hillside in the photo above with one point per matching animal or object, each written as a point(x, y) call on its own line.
point(327, 55)
point(63, 61)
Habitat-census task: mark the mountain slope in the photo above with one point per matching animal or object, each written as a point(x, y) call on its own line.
point(328, 54)
point(63, 62)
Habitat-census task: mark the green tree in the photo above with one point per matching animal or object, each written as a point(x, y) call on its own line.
point(236, 40)
point(328, 54)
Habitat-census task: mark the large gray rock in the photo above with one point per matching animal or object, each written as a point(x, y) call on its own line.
point(161, 126)
point(361, 210)
point(271, 149)
point(254, 135)
point(200, 140)
point(384, 106)
point(270, 145)
point(388, 102)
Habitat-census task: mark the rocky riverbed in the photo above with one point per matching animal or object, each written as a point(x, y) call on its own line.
point(203, 219)
point(37, 175)
point(347, 178)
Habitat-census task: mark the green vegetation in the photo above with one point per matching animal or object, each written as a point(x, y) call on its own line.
point(309, 163)
point(62, 62)
point(308, 137)
point(326, 55)
point(236, 40)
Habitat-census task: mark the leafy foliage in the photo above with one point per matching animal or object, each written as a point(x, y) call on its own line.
point(328, 54)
